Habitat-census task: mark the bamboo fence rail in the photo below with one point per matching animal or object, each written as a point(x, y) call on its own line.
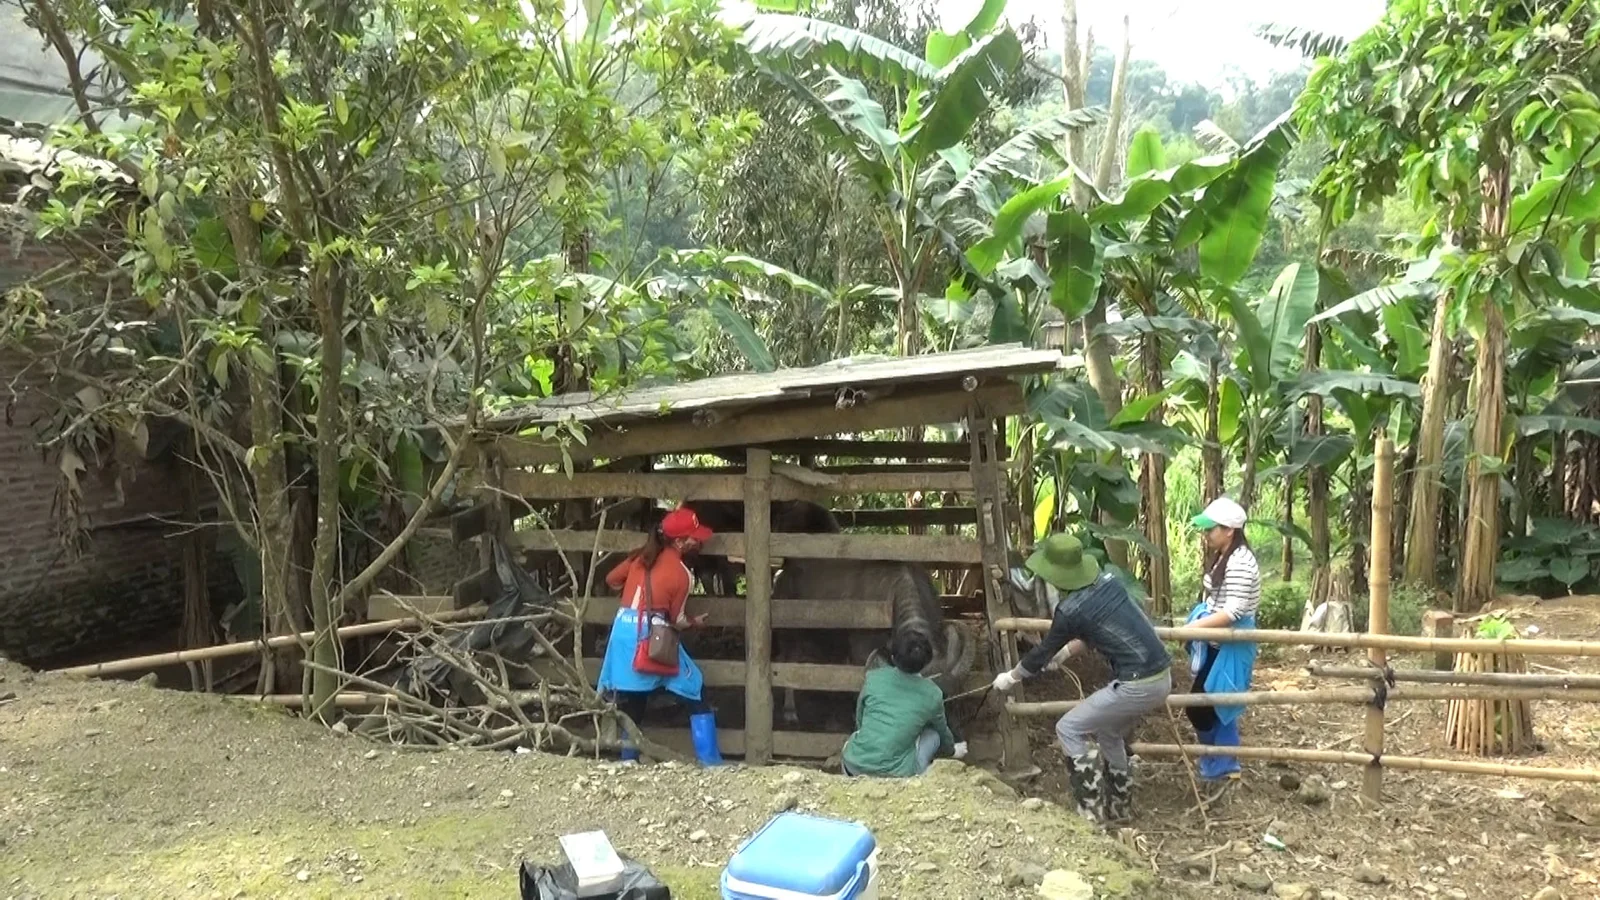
point(1399, 643)
point(1429, 676)
point(1336, 696)
point(1352, 758)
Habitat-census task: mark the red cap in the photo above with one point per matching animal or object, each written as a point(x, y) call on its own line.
point(683, 523)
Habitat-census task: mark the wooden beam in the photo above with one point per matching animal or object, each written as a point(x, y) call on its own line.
point(793, 744)
point(899, 518)
point(729, 612)
point(760, 673)
point(720, 485)
point(390, 606)
point(946, 549)
point(983, 433)
point(731, 673)
point(766, 424)
point(865, 448)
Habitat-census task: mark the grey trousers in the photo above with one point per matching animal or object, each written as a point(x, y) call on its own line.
point(1108, 716)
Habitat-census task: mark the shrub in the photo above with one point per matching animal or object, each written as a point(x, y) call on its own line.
point(1282, 603)
point(1406, 606)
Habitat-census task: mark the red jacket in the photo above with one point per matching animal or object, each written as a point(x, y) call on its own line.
point(669, 584)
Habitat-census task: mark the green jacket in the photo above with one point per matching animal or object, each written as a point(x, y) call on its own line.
point(893, 709)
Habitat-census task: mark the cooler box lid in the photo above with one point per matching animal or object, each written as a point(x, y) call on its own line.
point(805, 855)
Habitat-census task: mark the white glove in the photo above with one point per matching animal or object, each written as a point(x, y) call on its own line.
point(1004, 682)
point(961, 750)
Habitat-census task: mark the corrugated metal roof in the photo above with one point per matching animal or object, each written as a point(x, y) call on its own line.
point(756, 388)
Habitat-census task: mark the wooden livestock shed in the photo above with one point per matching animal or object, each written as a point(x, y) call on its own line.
point(783, 435)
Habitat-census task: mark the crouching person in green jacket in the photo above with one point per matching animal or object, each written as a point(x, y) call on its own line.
point(900, 721)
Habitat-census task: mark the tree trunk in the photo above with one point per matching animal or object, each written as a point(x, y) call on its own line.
point(1422, 527)
point(1097, 354)
point(1286, 564)
point(1357, 519)
point(1158, 565)
point(1405, 475)
point(328, 298)
point(1480, 545)
point(267, 462)
point(1211, 451)
point(1247, 474)
point(1316, 488)
point(1556, 502)
point(1527, 479)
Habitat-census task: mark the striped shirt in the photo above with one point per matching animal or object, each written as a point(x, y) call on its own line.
point(1240, 591)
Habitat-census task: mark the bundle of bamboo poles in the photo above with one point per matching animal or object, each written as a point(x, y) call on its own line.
point(1490, 726)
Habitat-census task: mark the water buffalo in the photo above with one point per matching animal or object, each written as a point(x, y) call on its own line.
point(915, 604)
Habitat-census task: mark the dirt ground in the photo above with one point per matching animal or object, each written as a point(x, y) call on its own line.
point(122, 790)
point(1436, 835)
point(115, 789)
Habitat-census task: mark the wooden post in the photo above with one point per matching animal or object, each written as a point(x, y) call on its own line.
point(1440, 623)
point(758, 607)
point(990, 499)
point(1378, 617)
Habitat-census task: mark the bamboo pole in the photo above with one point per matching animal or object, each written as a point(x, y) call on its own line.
point(1350, 758)
point(343, 700)
point(1378, 607)
point(244, 648)
point(1426, 676)
point(1395, 642)
point(1335, 696)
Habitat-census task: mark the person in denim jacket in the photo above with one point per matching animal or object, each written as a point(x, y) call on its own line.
point(1231, 594)
point(1096, 612)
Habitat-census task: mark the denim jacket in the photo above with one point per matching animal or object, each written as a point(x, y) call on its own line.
point(1103, 616)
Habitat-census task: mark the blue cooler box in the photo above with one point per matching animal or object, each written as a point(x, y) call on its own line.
point(799, 857)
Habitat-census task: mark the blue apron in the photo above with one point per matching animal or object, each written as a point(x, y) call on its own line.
point(1233, 667)
point(617, 672)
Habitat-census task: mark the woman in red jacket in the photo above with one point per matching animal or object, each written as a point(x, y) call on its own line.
point(655, 586)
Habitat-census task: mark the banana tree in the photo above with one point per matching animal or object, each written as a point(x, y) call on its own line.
point(912, 158)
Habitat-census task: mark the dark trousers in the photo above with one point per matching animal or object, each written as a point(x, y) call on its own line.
point(1203, 718)
point(634, 704)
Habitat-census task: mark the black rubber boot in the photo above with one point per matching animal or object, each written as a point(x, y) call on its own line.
point(1087, 778)
point(1119, 795)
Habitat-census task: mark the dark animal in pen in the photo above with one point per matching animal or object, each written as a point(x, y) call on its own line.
point(915, 604)
point(720, 577)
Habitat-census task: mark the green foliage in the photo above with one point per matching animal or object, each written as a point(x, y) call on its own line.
point(1282, 605)
point(1557, 556)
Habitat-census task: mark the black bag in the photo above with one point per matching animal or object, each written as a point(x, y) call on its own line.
point(540, 883)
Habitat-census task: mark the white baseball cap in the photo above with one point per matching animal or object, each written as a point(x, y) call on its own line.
point(1222, 511)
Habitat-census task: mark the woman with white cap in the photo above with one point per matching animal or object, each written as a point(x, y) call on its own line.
point(1231, 592)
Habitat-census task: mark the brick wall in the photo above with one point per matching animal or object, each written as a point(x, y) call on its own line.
point(125, 587)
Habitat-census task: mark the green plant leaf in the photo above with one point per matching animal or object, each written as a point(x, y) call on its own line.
point(1376, 299)
point(1138, 408)
point(1273, 331)
point(213, 247)
point(1016, 156)
point(1568, 570)
point(743, 335)
point(1329, 383)
point(1531, 426)
point(1406, 335)
point(1075, 263)
point(1235, 207)
point(855, 128)
point(962, 92)
point(1008, 224)
point(1152, 189)
point(1145, 153)
point(803, 44)
point(749, 265)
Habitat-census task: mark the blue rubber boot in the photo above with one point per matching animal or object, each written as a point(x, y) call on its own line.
point(630, 754)
point(703, 733)
point(1208, 766)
